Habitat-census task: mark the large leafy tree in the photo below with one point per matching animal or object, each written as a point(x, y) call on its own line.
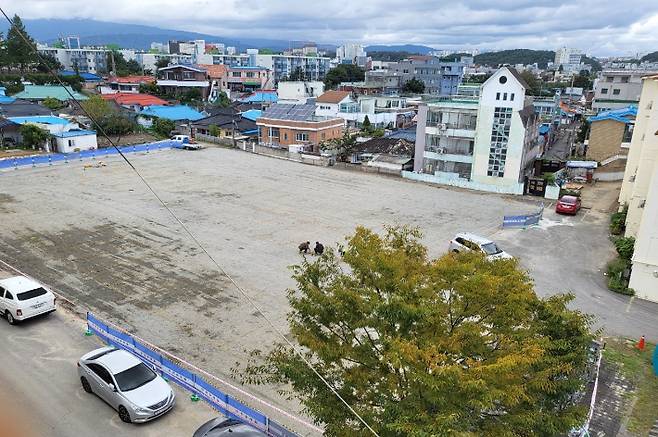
point(420, 347)
point(33, 135)
point(19, 45)
point(343, 73)
point(414, 86)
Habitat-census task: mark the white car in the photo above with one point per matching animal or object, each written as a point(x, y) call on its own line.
point(126, 384)
point(465, 241)
point(22, 298)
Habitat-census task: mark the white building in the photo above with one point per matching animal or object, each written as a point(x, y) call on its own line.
point(230, 50)
point(350, 52)
point(329, 103)
point(618, 88)
point(298, 92)
point(149, 60)
point(640, 192)
point(67, 137)
point(568, 56)
point(85, 60)
point(486, 143)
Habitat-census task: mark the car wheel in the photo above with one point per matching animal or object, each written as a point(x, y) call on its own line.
point(10, 318)
point(123, 414)
point(455, 251)
point(85, 384)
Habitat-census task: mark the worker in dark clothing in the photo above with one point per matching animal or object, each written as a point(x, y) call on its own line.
point(304, 247)
point(319, 248)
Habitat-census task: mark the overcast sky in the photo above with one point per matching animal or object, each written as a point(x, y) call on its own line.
point(599, 27)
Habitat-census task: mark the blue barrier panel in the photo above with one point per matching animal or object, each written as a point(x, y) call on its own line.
point(256, 417)
point(655, 360)
point(276, 430)
point(521, 221)
point(182, 376)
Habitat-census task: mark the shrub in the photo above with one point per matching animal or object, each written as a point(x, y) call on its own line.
point(52, 103)
point(33, 135)
point(625, 247)
point(163, 127)
point(213, 130)
point(618, 221)
point(617, 281)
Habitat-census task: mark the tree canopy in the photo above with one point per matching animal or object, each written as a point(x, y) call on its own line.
point(33, 135)
point(515, 56)
point(343, 73)
point(413, 86)
point(19, 46)
point(419, 347)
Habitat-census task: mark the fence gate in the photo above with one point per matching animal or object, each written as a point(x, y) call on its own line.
point(536, 186)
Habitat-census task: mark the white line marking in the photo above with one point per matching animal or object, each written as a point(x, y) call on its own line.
point(630, 302)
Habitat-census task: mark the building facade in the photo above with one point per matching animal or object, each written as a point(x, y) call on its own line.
point(486, 143)
point(178, 79)
point(616, 89)
point(348, 53)
point(640, 192)
point(84, 60)
point(568, 56)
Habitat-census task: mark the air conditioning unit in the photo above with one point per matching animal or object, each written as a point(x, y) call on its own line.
point(443, 126)
point(441, 150)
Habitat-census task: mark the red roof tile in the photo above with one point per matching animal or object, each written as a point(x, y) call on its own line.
point(135, 99)
point(132, 79)
point(332, 96)
point(215, 71)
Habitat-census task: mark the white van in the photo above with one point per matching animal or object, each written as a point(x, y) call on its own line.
point(22, 298)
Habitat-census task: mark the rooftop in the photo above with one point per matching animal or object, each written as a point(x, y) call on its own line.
point(41, 119)
point(135, 99)
point(269, 96)
point(42, 92)
point(88, 77)
point(74, 133)
point(286, 111)
point(175, 113)
point(333, 96)
point(132, 79)
point(623, 115)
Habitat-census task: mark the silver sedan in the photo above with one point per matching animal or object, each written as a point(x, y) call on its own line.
point(125, 383)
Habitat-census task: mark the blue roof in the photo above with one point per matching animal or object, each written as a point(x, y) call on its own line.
point(544, 129)
point(260, 97)
point(252, 114)
point(623, 115)
point(175, 113)
point(6, 99)
point(88, 77)
point(43, 119)
point(408, 134)
point(74, 133)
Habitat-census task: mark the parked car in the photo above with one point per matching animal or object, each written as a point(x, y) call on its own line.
point(568, 205)
point(186, 142)
point(465, 241)
point(126, 384)
point(227, 427)
point(22, 298)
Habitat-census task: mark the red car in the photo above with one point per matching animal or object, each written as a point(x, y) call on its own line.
point(568, 205)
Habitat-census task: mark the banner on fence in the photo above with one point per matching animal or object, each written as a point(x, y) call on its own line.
point(187, 379)
point(49, 159)
point(521, 221)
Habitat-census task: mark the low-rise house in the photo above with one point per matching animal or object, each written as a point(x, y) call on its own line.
point(283, 125)
point(388, 154)
point(67, 137)
point(134, 102)
point(90, 80)
point(328, 104)
point(177, 113)
point(180, 79)
point(299, 92)
point(127, 84)
point(39, 93)
point(229, 125)
point(382, 111)
point(22, 108)
point(248, 78)
point(262, 97)
point(610, 138)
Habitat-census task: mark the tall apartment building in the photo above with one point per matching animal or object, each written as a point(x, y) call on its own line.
point(85, 60)
point(640, 192)
point(567, 56)
point(487, 142)
point(439, 77)
point(616, 89)
point(349, 53)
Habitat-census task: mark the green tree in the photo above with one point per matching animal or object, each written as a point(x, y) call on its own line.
point(414, 86)
point(366, 126)
point(191, 95)
point(343, 73)
point(163, 127)
point(149, 88)
point(222, 100)
point(625, 247)
point(97, 107)
point(343, 146)
point(420, 347)
point(19, 46)
point(52, 103)
point(534, 84)
point(33, 136)
point(161, 63)
point(297, 74)
point(581, 136)
point(48, 63)
point(378, 133)
point(582, 80)
point(117, 124)
point(133, 67)
point(213, 130)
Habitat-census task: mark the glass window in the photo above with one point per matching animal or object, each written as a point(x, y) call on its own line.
point(9, 296)
point(511, 97)
point(616, 92)
point(497, 96)
point(134, 377)
point(504, 96)
point(604, 91)
point(101, 372)
point(491, 248)
point(31, 294)
point(301, 136)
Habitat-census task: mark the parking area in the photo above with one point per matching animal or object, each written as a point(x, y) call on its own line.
point(100, 237)
point(39, 379)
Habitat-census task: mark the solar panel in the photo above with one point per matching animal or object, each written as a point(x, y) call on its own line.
point(282, 111)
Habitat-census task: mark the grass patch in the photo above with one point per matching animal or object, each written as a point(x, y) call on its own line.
point(637, 367)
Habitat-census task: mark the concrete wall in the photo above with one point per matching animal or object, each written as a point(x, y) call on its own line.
point(605, 139)
point(510, 188)
point(73, 144)
point(419, 149)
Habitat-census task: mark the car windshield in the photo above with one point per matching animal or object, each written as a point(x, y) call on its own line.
point(134, 377)
point(27, 295)
point(569, 200)
point(491, 249)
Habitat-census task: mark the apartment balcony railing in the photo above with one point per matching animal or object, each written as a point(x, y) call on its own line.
point(444, 150)
point(462, 126)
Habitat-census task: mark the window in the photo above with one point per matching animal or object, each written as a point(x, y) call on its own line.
point(135, 377)
point(31, 294)
point(301, 136)
point(625, 79)
point(101, 372)
point(8, 295)
point(499, 139)
point(236, 74)
point(285, 136)
point(616, 92)
point(504, 96)
point(250, 74)
point(604, 91)
point(502, 79)
point(511, 97)
point(609, 79)
point(497, 96)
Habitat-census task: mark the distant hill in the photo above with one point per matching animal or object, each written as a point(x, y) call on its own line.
point(409, 48)
point(650, 57)
point(92, 32)
point(516, 56)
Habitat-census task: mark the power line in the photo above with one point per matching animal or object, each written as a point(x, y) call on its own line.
point(190, 234)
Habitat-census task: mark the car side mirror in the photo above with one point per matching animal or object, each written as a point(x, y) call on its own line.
point(112, 387)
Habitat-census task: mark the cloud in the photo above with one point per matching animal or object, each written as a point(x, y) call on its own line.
point(600, 27)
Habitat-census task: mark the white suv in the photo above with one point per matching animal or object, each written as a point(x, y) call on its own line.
point(22, 298)
point(465, 241)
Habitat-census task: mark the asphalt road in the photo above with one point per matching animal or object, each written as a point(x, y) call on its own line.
point(38, 379)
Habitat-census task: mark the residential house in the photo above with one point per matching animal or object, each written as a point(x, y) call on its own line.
point(640, 192)
point(67, 137)
point(299, 92)
point(392, 155)
point(149, 61)
point(10, 133)
point(486, 143)
point(89, 80)
point(134, 102)
point(11, 107)
point(247, 79)
point(382, 111)
point(618, 88)
point(610, 136)
point(39, 93)
point(228, 125)
point(180, 79)
point(328, 104)
point(177, 113)
point(127, 84)
point(283, 125)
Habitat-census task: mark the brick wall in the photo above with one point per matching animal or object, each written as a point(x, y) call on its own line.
point(605, 139)
point(313, 132)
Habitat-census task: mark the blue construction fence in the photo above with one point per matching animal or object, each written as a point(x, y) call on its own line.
point(522, 221)
point(222, 402)
point(655, 360)
point(52, 158)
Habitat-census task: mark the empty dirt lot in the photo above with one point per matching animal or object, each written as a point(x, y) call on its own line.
point(101, 237)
